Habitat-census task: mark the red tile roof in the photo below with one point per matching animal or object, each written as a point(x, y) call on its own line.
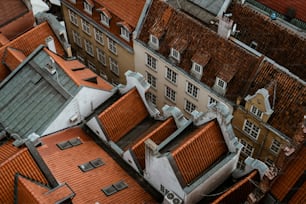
point(123, 115)
point(128, 11)
point(299, 196)
point(13, 58)
point(199, 151)
point(283, 5)
point(80, 74)
point(3, 40)
point(10, 10)
point(7, 150)
point(290, 176)
point(28, 42)
point(20, 162)
point(158, 135)
point(87, 185)
point(239, 192)
point(29, 191)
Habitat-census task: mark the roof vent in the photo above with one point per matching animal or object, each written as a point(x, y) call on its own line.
point(50, 44)
point(50, 66)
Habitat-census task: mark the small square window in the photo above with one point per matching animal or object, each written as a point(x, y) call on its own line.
point(171, 75)
point(97, 162)
point(221, 83)
point(110, 190)
point(120, 185)
point(256, 111)
point(175, 54)
point(86, 167)
point(151, 62)
point(64, 145)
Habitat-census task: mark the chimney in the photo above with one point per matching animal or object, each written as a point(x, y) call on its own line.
point(50, 44)
point(68, 50)
point(225, 26)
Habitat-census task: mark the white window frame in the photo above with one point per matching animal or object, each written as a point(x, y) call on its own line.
point(91, 66)
point(124, 33)
point(151, 62)
point(101, 56)
point(211, 101)
point(171, 75)
point(87, 7)
point(112, 45)
point(73, 17)
point(151, 97)
point(89, 47)
point(269, 162)
point(256, 111)
point(154, 40)
point(247, 149)
point(251, 129)
point(197, 68)
point(192, 90)
point(221, 83)
point(99, 36)
point(151, 80)
point(170, 94)
point(85, 26)
point(76, 38)
point(175, 54)
point(189, 106)
point(275, 146)
point(104, 19)
point(113, 65)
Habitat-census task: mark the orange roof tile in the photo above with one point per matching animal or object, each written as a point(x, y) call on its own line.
point(64, 164)
point(289, 177)
point(10, 10)
point(299, 196)
point(3, 40)
point(158, 135)
point(29, 191)
point(201, 58)
point(199, 151)
point(123, 115)
point(7, 150)
point(79, 73)
point(239, 192)
point(13, 58)
point(128, 11)
point(28, 42)
point(23, 163)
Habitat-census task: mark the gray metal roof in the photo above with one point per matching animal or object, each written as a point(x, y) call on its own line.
point(31, 96)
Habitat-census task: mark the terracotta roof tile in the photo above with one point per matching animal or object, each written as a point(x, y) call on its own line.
point(201, 58)
point(29, 191)
point(299, 196)
point(158, 135)
point(13, 57)
point(79, 73)
point(128, 11)
point(105, 11)
point(289, 177)
point(28, 42)
point(87, 185)
point(9, 10)
point(23, 163)
point(239, 192)
point(123, 115)
point(199, 151)
point(282, 6)
point(257, 27)
point(3, 40)
point(7, 150)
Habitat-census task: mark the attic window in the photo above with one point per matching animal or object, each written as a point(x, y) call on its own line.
point(175, 54)
point(256, 111)
point(70, 143)
point(197, 68)
point(110, 190)
point(220, 83)
point(91, 165)
point(253, 44)
point(124, 33)
point(105, 16)
point(88, 7)
point(154, 41)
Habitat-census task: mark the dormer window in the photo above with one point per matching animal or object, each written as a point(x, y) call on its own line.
point(199, 60)
point(197, 68)
point(105, 16)
point(175, 54)
point(124, 33)
point(220, 83)
point(104, 19)
point(154, 42)
point(88, 5)
point(256, 111)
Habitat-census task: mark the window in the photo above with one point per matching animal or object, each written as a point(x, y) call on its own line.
point(151, 62)
point(89, 47)
point(114, 188)
point(211, 101)
point(76, 38)
point(251, 129)
point(275, 146)
point(91, 165)
point(253, 44)
point(171, 75)
point(87, 7)
point(192, 90)
point(196, 67)
point(175, 54)
point(151, 80)
point(92, 66)
point(125, 33)
point(189, 107)
point(151, 97)
point(86, 27)
point(70, 143)
point(154, 40)
point(170, 94)
point(269, 162)
point(241, 164)
point(81, 58)
point(221, 83)
point(112, 46)
point(256, 111)
point(104, 19)
point(99, 36)
point(73, 17)
point(247, 149)
point(101, 56)
point(114, 66)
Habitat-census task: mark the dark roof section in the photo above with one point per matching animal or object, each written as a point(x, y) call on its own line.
point(10, 10)
point(223, 53)
point(273, 40)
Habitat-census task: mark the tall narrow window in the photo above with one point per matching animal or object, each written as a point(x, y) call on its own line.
point(86, 27)
point(247, 149)
point(198, 68)
point(105, 17)
point(189, 107)
point(76, 38)
point(89, 47)
point(73, 17)
point(251, 129)
point(151, 97)
point(192, 90)
point(112, 46)
point(151, 80)
point(99, 36)
point(151, 62)
point(101, 56)
point(114, 66)
point(275, 146)
point(124, 33)
point(170, 94)
point(171, 75)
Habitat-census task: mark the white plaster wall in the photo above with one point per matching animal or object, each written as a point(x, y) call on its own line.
point(130, 160)
point(83, 104)
point(93, 124)
point(204, 93)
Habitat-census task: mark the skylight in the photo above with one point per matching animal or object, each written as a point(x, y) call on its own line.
point(69, 143)
point(91, 165)
point(110, 190)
